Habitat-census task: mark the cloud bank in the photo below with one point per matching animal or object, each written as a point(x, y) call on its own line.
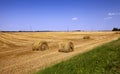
point(111, 15)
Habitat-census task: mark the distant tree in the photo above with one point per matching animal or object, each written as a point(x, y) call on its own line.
point(19, 31)
point(115, 29)
point(77, 30)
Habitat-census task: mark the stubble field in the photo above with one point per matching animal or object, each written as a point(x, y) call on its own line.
point(17, 57)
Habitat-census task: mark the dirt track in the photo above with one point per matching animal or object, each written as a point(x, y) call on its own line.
point(17, 57)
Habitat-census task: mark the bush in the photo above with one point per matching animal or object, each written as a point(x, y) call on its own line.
point(115, 29)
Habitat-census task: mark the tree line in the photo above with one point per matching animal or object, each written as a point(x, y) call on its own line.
point(116, 29)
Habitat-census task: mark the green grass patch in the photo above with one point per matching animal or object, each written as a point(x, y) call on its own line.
point(102, 60)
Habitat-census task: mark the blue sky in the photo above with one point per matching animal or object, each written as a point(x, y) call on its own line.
point(58, 15)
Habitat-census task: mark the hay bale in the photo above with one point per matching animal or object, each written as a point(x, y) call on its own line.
point(40, 45)
point(66, 47)
point(86, 37)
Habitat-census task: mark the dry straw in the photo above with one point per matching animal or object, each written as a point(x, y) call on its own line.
point(117, 32)
point(66, 47)
point(40, 45)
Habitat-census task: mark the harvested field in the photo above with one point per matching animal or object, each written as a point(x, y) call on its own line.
point(17, 57)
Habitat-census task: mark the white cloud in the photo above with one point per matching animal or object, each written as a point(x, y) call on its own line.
point(111, 14)
point(74, 18)
point(107, 18)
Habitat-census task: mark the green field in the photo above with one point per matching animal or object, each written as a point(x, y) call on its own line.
point(101, 60)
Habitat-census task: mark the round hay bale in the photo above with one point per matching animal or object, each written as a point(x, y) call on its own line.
point(40, 45)
point(66, 47)
point(86, 37)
